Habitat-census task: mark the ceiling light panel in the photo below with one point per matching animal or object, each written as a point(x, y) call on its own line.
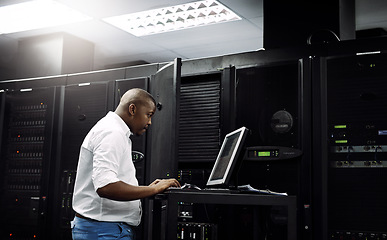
point(173, 18)
point(35, 15)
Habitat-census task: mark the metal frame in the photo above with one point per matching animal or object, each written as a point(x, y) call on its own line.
point(169, 202)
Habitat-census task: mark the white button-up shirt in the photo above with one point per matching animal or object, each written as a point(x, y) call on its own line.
point(106, 157)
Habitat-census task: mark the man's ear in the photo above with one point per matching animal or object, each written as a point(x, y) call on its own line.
point(132, 109)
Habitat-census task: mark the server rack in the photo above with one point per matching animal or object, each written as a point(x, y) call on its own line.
point(273, 101)
point(250, 95)
point(83, 105)
point(26, 161)
point(162, 136)
point(200, 124)
point(351, 146)
point(161, 154)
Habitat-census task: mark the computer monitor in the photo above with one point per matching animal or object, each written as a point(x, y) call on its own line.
point(226, 162)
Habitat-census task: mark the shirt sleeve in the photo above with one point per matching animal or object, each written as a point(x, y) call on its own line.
point(107, 154)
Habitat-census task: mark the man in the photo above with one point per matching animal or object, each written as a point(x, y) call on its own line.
point(106, 193)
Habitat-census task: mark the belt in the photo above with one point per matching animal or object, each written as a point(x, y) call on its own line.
point(83, 217)
point(90, 219)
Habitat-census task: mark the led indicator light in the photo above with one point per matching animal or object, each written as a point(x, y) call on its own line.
point(340, 126)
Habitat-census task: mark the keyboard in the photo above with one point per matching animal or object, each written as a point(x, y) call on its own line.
point(211, 190)
point(219, 190)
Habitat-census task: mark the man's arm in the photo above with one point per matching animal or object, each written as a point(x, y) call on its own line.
point(121, 191)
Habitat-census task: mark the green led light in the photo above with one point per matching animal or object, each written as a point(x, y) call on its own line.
point(340, 126)
point(263, 154)
point(341, 141)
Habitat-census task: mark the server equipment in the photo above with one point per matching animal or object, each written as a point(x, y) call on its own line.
point(272, 100)
point(189, 230)
point(267, 102)
point(162, 136)
point(26, 161)
point(354, 146)
point(82, 106)
point(200, 126)
point(265, 98)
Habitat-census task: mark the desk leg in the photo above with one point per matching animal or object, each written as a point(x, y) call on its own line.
point(292, 221)
point(171, 228)
point(156, 220)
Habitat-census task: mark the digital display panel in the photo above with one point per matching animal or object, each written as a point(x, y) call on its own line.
point(264, 154)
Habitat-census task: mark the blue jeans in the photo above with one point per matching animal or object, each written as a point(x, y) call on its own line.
point(84, 229)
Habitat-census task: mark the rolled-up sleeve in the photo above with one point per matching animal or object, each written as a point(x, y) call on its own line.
point(108, 151)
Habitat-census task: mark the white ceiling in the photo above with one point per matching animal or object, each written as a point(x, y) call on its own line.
point(114, 47)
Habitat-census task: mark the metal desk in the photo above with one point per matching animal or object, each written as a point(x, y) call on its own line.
point(168, 202)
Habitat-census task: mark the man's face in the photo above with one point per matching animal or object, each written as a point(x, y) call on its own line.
point(142, 117)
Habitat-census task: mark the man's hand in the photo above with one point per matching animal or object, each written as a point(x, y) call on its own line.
point(162, 184)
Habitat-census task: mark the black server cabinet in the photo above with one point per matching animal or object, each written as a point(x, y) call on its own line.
point(26, 162)
point(353, 145)
point(205, 117)
point(199, 118)
point(161, 152)
point(162, 135)
point(268, 104)
point(215, 103)
point(83, 106)
point(272, 100)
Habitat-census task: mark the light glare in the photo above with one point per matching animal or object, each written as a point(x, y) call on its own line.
point(35, 15)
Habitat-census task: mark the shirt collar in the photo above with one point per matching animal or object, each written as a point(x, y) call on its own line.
point(121, 123)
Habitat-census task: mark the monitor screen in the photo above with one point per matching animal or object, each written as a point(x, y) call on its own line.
point(227, 158)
